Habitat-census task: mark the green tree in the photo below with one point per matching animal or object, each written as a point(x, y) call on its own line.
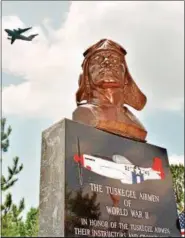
point(10, 213)
point(5, 135)
point(177, 172)
point(13, 171)
point(30, 228)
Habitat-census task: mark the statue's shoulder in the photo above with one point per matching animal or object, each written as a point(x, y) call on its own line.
point(87, 108)
point(86, 114)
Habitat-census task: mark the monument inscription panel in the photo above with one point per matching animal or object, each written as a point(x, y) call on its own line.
point(114, 187)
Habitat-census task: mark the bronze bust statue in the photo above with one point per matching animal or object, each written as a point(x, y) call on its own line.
point(105, 86)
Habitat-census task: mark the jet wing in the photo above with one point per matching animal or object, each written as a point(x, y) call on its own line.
point(20, 31)
point(12, 40)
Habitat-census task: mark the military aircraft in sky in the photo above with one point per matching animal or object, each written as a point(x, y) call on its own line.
point(17, 34)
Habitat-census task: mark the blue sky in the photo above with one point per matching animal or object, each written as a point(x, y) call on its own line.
point(40, 78)
point(25, 139)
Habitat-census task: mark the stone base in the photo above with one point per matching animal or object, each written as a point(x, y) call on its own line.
point(86, 191)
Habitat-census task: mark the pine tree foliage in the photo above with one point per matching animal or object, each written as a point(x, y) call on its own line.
point(178, 174)
point(12, 223)
point(8, 182)
point(4, 135)
point(31, 223)
point(10, 213)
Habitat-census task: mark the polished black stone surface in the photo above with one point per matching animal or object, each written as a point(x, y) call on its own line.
point(86, 191)
point(90, 210)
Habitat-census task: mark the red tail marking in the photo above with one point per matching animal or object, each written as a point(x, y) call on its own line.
point(157, 166)
point(79, 159)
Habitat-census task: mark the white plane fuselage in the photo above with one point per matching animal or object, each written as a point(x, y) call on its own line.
point(125, 172)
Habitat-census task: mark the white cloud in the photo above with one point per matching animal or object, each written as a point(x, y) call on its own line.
point(151, 32)
point(176, 159)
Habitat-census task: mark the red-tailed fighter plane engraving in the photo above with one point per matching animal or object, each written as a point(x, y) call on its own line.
point(120, 168)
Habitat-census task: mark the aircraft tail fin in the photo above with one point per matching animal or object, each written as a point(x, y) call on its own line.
point(158, 166)
point(32, 36)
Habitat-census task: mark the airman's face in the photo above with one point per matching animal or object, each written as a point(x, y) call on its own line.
point(106, 69)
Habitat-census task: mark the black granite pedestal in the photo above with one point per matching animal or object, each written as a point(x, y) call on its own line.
point(94, 183)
